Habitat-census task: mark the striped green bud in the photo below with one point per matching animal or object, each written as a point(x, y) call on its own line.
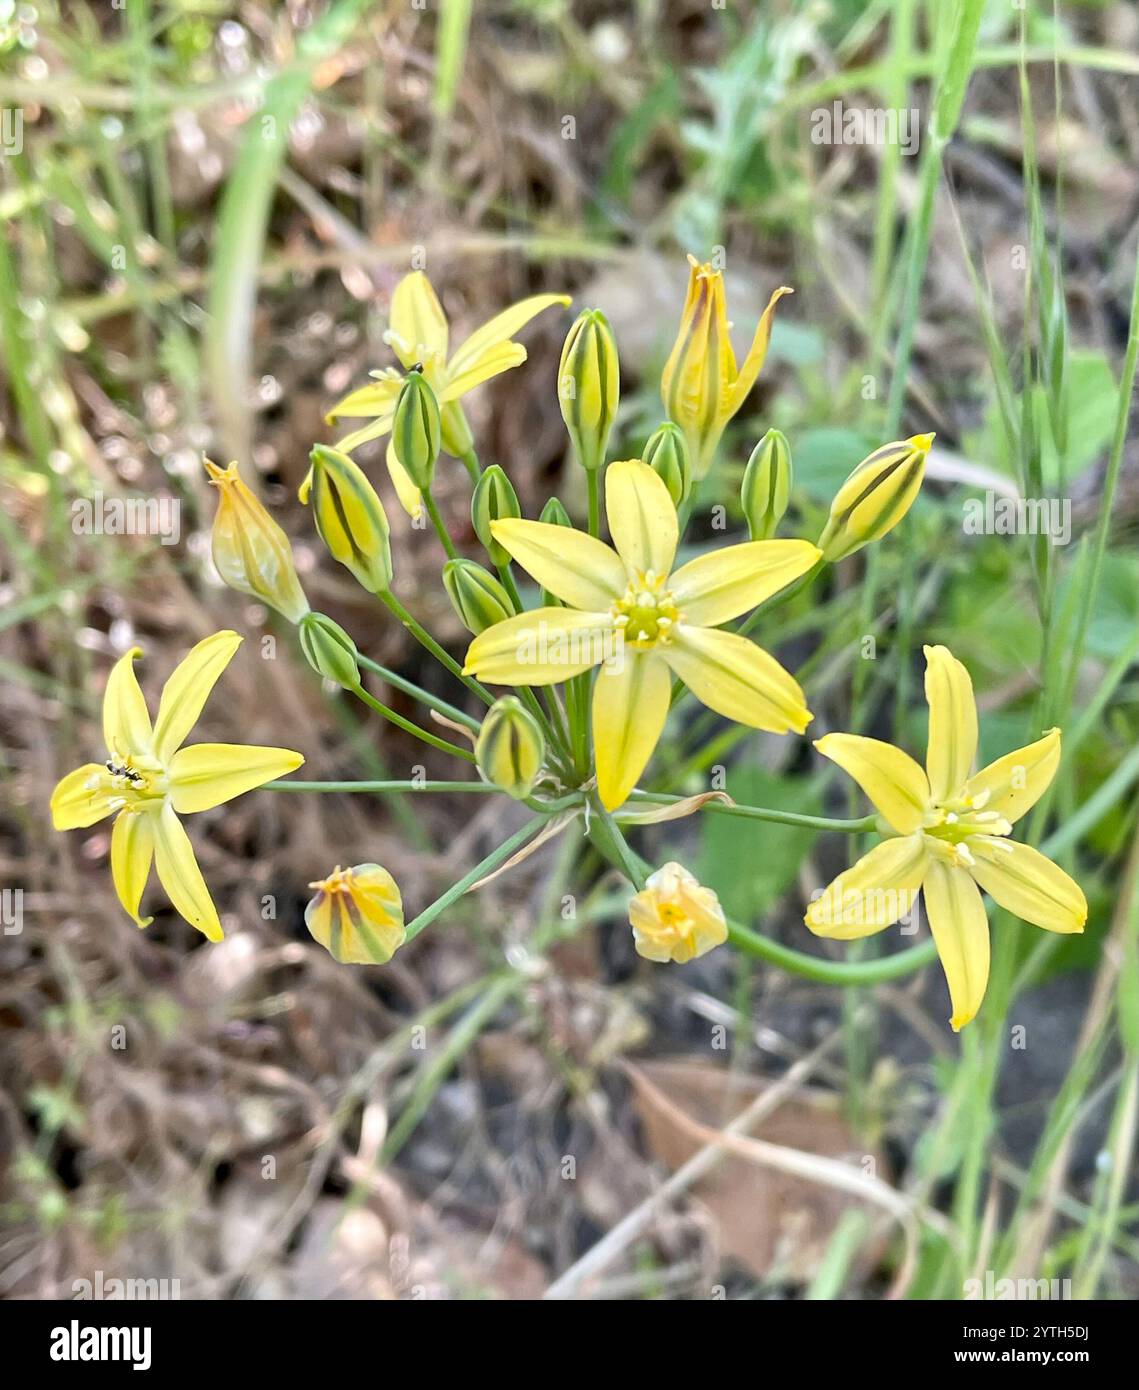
point(350, 517)
point(766, 487)
point(875, 497)
point(416, 429)
point(589, 386)
point(329, 650)
point(666, 453)
point(476, 595)
point(493, 499)
point(510, 748)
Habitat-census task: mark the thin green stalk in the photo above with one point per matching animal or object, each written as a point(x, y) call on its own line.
point(422, 636)
point(437, 521)
point(861, 825)
point(425, 697)
point(593, 487)
point(409, 728)
point(478, 788)
point(470, 461)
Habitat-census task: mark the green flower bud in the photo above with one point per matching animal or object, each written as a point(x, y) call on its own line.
point(875, 497)
point(493, 499)
point(554, 514)
point(476, 595)
point(766, 488)
point(510, 748)
point(329, 650)
point(350, 517)
point(589, 386)
point(666, 453)
point(457, 437)
point(416, 429)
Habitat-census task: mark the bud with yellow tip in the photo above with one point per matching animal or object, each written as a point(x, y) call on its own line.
point(675, 918)
point(766, 488)
point(666, 453)
point(357, 915)
point(476, 595)
point(701, 386)
point(510, 748)
point(875, 496)
point(589, 386)
point(251, 552)
point(416, 429)
point(493, 499)
point(329, 650)
point(350, 517)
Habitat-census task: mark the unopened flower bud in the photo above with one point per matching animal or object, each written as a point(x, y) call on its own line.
point(494, 499)
point(554, 514)
point(875, 497)
point(766, 487)
point(510, 748)
point(416, 429)
point(589, 386)
point(476, 595)
point(350, 517)
point(666, 453)
point(329, 650)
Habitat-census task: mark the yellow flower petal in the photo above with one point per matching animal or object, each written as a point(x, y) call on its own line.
point(642, 518)
point(630, 705)
point(719, 586)
point(132, 849)
point(410, 498)
point(961, 933)
point(179, 874)
point(203, 775)
point(1027, 884)
point(374, 429)
point(541, 647)
point(126, 721)
point(357, 915)
point(674, 917)
point(737, 679)
point(366, 402)
point(952, 723)
point(1016, 782)
point(80, 798)
point(496, 360)
point(890, 778)
point(418, 325)
point(578, 569)
point(498, 329)
point(752, 364)
point(874, 893)
point(188, 689)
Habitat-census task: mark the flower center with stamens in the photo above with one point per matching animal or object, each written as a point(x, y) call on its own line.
point(949, 825)
point(646, 613)
point(131, 781)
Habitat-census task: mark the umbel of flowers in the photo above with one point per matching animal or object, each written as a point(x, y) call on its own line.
point(620, 624)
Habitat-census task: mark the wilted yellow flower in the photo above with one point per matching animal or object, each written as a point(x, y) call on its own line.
point(357, 915)
point(511, 748)
point(251, 552)
point(701, 386)
point(875, 497)
point(149, 779)
point(419, 335)
point(350, 517)
point(675, 918)
point(629, 612)
point(949, 839)
point(589, 386)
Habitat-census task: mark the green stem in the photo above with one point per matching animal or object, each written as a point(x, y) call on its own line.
point(479, 788)
point(437, 521)
point(593, 486)
point(425, 697)
point(724, 808)
point(481, 869)
point(471, 462)
point(408, 727)
point(422, 636)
